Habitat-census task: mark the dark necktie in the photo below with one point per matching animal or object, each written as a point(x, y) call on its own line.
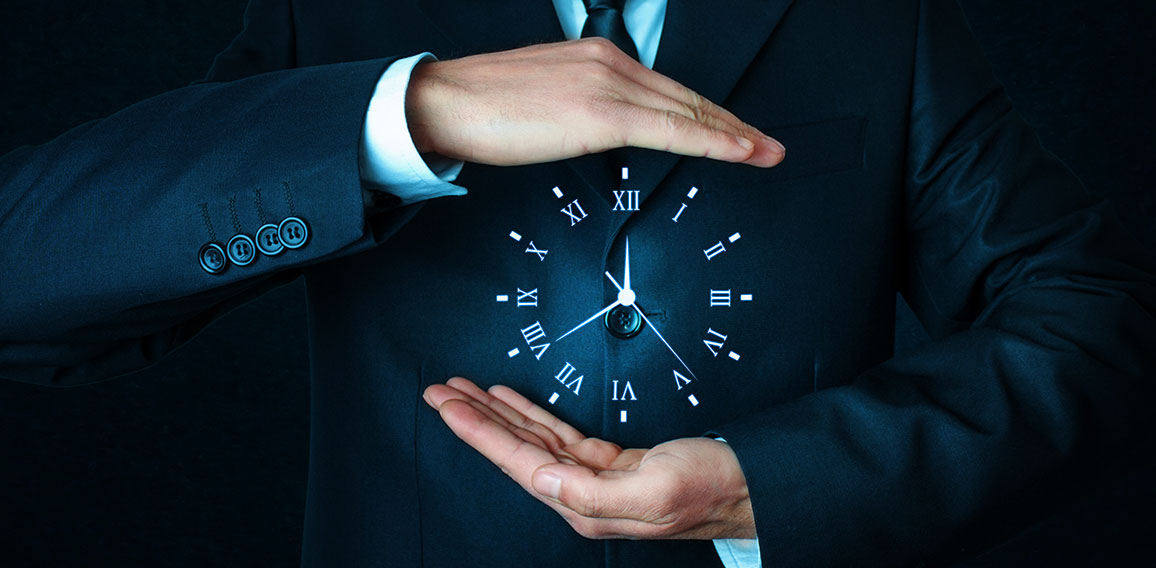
point(604, 19)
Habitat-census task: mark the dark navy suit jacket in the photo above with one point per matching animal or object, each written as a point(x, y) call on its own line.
point(906, 171)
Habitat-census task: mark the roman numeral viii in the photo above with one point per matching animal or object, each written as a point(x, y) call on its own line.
point(533, 336)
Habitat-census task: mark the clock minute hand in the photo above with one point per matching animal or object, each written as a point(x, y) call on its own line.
point(652, 328)
point(590, 319)
point(655, 330)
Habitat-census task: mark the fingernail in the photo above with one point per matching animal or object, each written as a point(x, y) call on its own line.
point(746, 144)
point(425, 397)
point(777, 144)
point(547, 484)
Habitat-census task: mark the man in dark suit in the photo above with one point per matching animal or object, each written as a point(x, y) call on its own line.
point(908, 171)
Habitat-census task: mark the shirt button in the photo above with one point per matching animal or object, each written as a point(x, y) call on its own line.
point(268, 242)
point(241, 250)
point(623, 322)
point(212, 258)
point(293, 232)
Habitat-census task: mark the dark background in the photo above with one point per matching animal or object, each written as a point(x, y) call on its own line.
point(201, 459)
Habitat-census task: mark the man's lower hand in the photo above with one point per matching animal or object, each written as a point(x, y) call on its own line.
point(691, 488)
point(554, 101)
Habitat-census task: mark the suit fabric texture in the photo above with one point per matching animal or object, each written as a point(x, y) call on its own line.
point(907, 171)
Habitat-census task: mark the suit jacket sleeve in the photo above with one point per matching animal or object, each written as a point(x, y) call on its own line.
point(1041, 312)
point(100, 274)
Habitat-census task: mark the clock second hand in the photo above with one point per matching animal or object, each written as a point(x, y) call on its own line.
point(652, 328)
point(590, 319)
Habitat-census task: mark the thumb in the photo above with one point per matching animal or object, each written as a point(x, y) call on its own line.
point(607, 495)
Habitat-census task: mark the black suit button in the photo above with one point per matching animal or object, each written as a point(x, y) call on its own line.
point(268, 241)
point(293, 232)
point(241, 250)
point(213, 258)
point(623, 322)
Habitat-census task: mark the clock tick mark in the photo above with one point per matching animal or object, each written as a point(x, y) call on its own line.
point(502, 298)
point(514, 235)
point(513, 352)
point(557, 192)
point(734, 237)
point(734, 356)
point(553, 398)
point(622, 417)
point(693, 400)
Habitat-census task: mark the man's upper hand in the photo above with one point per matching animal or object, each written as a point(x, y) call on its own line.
point(692, 488)
point(554, 101)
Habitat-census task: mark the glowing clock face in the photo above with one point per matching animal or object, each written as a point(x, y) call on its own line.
point(684, 344)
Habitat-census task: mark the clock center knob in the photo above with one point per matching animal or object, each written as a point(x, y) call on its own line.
point(626, 297)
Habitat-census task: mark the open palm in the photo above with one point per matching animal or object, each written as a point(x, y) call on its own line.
point(691, 488)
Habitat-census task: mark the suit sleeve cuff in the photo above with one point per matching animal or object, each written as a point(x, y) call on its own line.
point(737, 552)
point(389, 161)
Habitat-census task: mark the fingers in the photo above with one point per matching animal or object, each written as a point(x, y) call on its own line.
point(599, 454)
point(514, 455)
point(649, 119)
point(466, 391)
point(657, 91)
point(567, 433)
point(571, 98)
point(670, 131)
point(663, 93)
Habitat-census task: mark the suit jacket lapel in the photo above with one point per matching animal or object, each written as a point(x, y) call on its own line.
point(481, 26)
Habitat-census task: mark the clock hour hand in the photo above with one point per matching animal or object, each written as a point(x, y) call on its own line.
point(590, 319)
point(626, 270)
point(622, 291)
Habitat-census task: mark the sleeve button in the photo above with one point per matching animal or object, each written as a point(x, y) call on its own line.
point(268, 242)
point(212, 258)
point(293, 232)
point(241, 250)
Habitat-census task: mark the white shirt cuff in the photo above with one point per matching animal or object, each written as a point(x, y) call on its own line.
point(388, 157)
point(738, 552)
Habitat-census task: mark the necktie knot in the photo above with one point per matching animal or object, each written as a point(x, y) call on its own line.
point(604, 19)
point(598, 5)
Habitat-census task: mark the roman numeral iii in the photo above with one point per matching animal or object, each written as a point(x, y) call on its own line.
point(720, 298)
